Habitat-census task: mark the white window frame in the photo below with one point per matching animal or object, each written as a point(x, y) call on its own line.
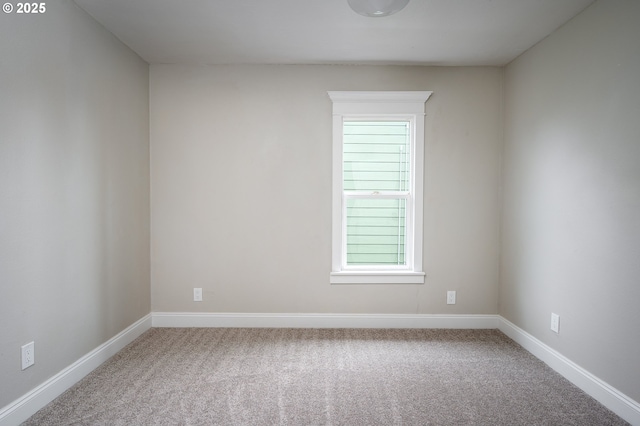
point(380, 106)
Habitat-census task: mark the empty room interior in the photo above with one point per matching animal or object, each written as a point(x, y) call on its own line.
point(185, 167)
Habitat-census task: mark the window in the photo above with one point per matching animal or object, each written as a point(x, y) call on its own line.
point(378, 149)
point(375, 183)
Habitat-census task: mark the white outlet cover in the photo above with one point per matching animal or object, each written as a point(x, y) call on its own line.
point(451, 297)
point(197, 295)
point(555, 323)
point(28, 355)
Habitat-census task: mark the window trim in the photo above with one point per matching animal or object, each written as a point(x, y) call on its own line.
point(403, 105)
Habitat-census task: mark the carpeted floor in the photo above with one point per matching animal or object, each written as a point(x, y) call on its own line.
point(218, 376)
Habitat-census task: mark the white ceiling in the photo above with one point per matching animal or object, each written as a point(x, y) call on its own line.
point(426, 32)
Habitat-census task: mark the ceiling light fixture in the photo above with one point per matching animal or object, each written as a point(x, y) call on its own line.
point(377, 8)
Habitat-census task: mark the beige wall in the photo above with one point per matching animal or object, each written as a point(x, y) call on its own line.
point(241, 189)
point(571, 233)
point(74, 191)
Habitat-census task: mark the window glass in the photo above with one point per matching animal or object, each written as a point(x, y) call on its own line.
point(376, 160)
point(376, 231)
point(376, 156)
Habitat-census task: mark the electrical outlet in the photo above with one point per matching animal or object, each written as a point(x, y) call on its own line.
point(555, 323)
point(197, 295)
point(28, 355)
point(451, 297)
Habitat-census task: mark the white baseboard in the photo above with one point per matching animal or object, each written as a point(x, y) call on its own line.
point(203, 319)
point(607, 395)
point(27, 405)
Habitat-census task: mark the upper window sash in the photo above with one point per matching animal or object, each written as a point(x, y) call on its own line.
point(377, 147)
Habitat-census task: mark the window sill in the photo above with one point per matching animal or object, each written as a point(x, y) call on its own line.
point(375, 277)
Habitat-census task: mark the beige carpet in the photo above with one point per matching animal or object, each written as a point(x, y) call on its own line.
point(207, 376)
